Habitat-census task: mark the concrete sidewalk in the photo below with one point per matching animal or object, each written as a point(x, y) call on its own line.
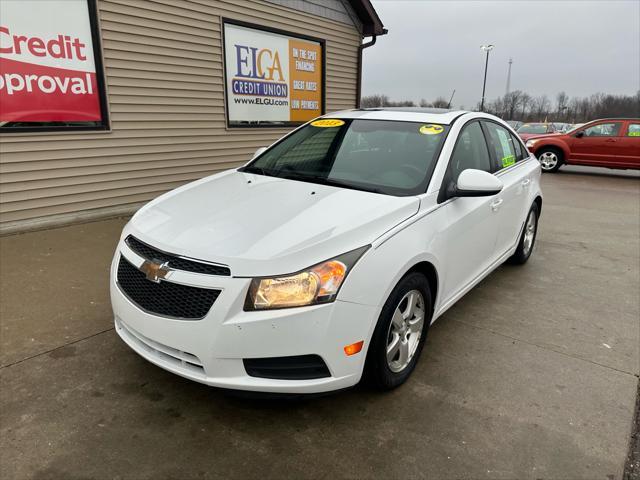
point(532, 375)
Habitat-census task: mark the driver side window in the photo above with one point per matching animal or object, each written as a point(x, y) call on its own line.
point(470, 152)
point(603, 130)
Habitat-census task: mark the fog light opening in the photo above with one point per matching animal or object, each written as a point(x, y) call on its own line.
point(353, 348)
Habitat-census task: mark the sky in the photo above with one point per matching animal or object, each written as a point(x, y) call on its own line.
point(433, 46)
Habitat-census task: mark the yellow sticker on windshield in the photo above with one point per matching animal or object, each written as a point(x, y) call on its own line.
point(327, 122)
point(634, 134)
point(431, 129)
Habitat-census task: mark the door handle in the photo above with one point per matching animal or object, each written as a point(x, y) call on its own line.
point(495, 205)
point(610, 140)
point(526, 182)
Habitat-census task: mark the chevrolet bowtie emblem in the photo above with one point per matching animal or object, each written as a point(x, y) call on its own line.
point(154, 270)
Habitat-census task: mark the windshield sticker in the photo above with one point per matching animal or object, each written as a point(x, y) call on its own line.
point(508, 160)
point(634, 134)
point(327, 123)
point(431, 129)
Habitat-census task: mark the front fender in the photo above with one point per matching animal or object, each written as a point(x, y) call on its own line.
point(381, 268)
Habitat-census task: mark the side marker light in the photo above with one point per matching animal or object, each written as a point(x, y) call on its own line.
point(353, 348)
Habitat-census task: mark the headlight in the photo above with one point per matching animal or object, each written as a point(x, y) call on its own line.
point(317, 284)
point(530, 143)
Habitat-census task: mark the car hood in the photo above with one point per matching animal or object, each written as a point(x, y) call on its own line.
point(531, 136)
point(260, 225)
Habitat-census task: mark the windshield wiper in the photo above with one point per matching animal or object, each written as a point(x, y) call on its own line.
point(328, 181)
point(259, 171)
point(292, 175)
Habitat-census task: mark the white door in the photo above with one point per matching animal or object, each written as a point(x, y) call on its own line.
point(471, 222)
point(509, 154)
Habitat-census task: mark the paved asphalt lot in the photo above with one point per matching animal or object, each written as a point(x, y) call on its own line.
point(532, 375)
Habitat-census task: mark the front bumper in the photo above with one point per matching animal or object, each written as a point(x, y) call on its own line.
point(211, 350)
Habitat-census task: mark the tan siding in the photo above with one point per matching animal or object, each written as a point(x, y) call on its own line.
point(163, 63)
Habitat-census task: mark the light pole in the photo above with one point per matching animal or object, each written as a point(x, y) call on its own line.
point(486, 48)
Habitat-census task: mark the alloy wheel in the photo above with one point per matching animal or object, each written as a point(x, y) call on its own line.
point(405, 331)
point(548, 160)
point(529, 233)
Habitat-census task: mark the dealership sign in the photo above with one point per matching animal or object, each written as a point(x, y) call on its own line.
point(271, 77)
point(47, 66)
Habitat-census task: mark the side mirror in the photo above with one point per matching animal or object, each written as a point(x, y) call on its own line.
point(259, 152)
point(580, 134)
point(476, 183)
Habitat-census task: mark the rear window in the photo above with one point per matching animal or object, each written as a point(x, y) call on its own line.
point(502, 143)
point(534, 128)
point(521, 152)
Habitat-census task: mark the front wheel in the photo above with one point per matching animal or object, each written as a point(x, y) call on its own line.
point(527, 238)
point(550, 159)
point(400, 333)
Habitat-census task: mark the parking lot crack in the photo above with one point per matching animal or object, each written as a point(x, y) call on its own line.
point(46, 352)
point(546, 347)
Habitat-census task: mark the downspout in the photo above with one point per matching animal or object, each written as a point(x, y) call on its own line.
point(359, 79)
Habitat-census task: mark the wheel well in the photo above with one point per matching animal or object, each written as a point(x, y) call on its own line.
point(538, 200)
point(555, 148)
point(429, 271)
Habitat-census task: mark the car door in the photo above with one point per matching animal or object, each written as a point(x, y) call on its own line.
point(597, 144)
point(630, 145)
point(471, 223)
point(509, 154)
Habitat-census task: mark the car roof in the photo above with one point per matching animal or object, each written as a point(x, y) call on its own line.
point(406, 114)
point(613, 118)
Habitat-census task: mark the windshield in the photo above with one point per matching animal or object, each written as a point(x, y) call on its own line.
point(534, 128)
point(391, 157)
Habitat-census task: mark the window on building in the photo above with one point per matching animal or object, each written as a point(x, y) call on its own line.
point(50, 81)
point(272, 77)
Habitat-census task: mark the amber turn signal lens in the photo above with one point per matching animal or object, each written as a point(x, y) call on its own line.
point(353, 348)
point(331, 274)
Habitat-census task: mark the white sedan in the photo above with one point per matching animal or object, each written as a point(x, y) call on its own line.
point(326, 258)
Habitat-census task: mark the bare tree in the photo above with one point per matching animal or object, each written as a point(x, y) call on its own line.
point(518, 105)
point(562, 101)
point(540, 108)
point(378, 100)
point(525, 104)
point(512, 102)
point(372, 101)
point(440, 102)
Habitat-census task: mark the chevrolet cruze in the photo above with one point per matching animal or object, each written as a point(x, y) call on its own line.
point(325, 259)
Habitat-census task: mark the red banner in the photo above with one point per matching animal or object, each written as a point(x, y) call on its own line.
point(47, 64)
point(34, 93)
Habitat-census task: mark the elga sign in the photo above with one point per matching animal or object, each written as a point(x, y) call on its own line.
point(271, 77)
point(47, 66)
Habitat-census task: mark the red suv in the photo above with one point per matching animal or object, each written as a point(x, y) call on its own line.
point(610, 142)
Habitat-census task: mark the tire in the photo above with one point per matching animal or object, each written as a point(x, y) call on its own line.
point(386, 373)
point(527, 237)
point(551, 159)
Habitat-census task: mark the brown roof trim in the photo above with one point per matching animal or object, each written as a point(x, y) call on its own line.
point(371, 23)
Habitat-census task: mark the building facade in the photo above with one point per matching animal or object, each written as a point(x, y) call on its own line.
point(106, 107)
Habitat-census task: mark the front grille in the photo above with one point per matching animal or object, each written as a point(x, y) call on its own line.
point(174, 261)
point(164, 298)
point(300, 367)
